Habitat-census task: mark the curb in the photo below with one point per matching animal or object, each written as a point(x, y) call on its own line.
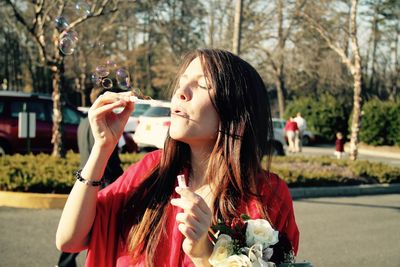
point(339, 191)
point(32, 200)
point(368, 152)
point(57, 201)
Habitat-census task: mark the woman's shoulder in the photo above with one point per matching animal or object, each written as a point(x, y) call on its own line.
point(150, 160)
point(272, 188)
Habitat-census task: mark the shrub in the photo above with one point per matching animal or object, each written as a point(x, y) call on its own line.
point(45, 174)
point(380, 123)
point(324, 116)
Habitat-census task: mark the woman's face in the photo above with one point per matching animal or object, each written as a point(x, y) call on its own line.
point(194, 119)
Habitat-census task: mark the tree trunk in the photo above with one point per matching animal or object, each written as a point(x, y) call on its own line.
point(82, 85)
point(356, 72)
point(237, 28)
point(56, 72)
point(375, 32)
point(56, 139)
point(395, 73)
point(279, 83)
point(280, 80)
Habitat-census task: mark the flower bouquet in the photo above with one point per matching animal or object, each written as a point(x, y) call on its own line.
point(247, 242)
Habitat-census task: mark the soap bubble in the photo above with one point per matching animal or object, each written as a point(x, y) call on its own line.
point(106, 83)
point(83, 8)
point(73, 35)
point(111, 64)
point(61, 23)
point(95, 79)
point(67, 46)
point(123, 80)
point(102, 70)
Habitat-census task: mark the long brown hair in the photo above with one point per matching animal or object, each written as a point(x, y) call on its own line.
point(241, 100)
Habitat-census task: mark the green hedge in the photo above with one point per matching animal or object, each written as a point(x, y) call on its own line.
point(326, 171)
point(380, 123)
point(325, 116)
point(45, 174)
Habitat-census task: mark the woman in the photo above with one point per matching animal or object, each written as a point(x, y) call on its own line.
point(220, 130)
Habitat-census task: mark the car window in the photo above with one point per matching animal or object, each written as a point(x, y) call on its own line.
point(277, 124)
point(36, 107)
point(70, 116)
point(140, 109)
point(157, 112)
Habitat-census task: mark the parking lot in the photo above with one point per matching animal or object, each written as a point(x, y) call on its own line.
point(346, 231)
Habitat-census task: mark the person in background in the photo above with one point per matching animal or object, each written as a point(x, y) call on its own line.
point(339, 145)
point(292, 133)
point(112, 170)
point(220, 130)
point(302, 125)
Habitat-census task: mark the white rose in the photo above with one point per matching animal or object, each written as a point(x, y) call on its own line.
point(260, 231)
point(222, 250)
point(255, 252)
point(236, 261)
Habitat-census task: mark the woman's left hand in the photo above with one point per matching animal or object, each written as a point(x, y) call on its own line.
point(194, 223)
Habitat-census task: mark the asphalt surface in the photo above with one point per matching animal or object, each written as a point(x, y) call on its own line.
point(328, 150)
point(343, 231)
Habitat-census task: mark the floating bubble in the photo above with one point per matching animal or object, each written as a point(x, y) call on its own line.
point(95, 79)
point(67, 46)
point(102, 70)
point(106, 83)
point(61, 23)
point(83, 8)
point(111, 64)
point(73, 35)
point(123, 80)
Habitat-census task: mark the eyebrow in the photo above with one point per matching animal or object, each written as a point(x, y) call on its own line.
point(196, 77)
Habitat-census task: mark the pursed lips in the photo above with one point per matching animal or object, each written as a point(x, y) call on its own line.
point(180, 113)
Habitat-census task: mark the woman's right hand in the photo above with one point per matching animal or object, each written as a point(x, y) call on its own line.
point(107, 126)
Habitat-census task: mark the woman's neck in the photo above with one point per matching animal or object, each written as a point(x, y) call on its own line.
point(200, 157)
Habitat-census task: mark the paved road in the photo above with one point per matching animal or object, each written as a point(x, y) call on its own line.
point(328, 150)
point(350, 231)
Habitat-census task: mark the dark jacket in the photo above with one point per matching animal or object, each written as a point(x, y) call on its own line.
point(85, 143)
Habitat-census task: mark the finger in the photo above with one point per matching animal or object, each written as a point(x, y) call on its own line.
point(110, 97)
point(187, 232)
point(107, 108)
point(127, 111)
point(185, 193)
point(189, 220)
point(192, 210)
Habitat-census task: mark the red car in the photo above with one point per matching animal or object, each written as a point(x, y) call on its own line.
point(12, 103)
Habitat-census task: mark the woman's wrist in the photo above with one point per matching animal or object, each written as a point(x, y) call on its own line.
point(96, 163)
point(202, 261)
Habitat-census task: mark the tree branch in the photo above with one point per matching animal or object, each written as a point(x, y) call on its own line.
point(98, 13)
point(325, 35)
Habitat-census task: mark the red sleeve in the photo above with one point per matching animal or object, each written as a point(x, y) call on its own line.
point(278, 201)
point(295, 126)
point(105, 245)
point(286, 127)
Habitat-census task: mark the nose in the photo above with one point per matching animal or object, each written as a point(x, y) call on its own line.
point(184, 93)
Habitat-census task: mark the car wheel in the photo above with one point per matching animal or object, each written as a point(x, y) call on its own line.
point(3, 149)
point(306, 140)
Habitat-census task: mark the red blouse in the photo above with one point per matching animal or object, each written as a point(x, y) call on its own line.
point(107, 249)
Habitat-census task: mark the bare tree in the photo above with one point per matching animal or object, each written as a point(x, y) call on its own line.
point(237, 28)
point(276, 55)
point(353, 64)
point(40, 26)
